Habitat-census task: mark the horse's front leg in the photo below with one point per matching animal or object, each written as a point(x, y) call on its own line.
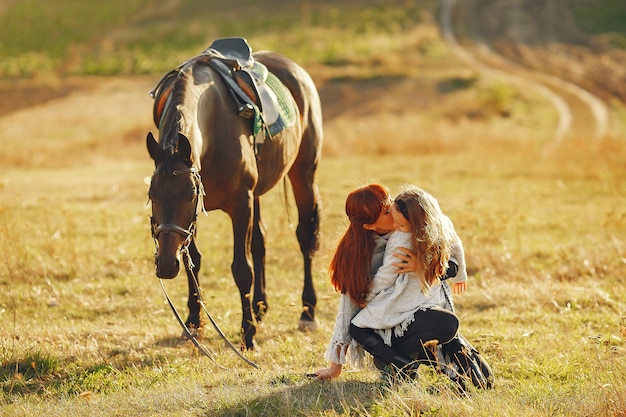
point(241, 267)
point(259, 302)
point(193, 321)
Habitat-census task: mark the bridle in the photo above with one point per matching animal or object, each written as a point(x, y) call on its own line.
point(189, 233)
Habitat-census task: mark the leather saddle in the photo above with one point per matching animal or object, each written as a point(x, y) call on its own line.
point(236, 63)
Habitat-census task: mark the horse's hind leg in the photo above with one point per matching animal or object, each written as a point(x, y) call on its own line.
point(259, 302)
point(193, 320)
point(308, 202)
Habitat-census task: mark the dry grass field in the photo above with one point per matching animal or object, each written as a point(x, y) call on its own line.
point(85, 329)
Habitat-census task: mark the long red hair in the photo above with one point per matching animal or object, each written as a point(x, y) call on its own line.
point(350, 269)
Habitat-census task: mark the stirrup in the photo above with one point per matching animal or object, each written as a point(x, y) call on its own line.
point(246, 111)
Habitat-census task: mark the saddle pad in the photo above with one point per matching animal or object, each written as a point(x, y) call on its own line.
point(279, 109)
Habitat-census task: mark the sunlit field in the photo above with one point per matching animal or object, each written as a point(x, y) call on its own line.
point(85, 329)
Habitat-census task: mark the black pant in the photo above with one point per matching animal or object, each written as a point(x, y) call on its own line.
point(435, 323)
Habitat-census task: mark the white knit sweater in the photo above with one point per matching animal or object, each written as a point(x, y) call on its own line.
point(342, 348)
point(394, 298)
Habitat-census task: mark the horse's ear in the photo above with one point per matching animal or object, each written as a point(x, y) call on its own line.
point(154, 149)
point(184, 148)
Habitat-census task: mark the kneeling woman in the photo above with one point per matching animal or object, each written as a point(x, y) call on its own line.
point(394, 333)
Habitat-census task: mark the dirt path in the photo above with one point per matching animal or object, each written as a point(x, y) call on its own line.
point(580, 112)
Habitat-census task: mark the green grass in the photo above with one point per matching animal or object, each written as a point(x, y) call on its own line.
point(138, 37)
point(609, 17)
point(544, 249)
point(607, 21)
point(85, 329)
point(29, 27)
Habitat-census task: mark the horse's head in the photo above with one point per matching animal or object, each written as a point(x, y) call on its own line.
point(175, 192)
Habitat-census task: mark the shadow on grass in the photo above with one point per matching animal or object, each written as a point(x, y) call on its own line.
point(299, 396)
point(37, 373)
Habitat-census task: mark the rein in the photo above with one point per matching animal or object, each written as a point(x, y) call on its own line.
point(189, 335)
point(189, 234)
point(186, 330)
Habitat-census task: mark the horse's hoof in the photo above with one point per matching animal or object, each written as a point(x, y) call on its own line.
point(194, 332)
point(253, 347)
point(308, 325)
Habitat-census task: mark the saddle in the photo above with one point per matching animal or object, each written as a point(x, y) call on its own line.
point(236, 63)
point(258, 95)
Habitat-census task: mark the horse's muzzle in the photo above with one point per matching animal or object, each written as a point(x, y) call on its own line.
point(170, 239)
point(167, 268)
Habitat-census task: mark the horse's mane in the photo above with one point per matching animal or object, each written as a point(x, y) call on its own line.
point(175, 114)
point(172, 116)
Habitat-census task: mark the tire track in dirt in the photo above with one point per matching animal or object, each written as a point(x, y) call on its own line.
point(574, 105)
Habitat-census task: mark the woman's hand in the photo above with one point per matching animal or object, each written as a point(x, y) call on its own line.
point(409, 261)
point(326, 374)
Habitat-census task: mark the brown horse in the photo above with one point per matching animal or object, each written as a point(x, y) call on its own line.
point(205, 158)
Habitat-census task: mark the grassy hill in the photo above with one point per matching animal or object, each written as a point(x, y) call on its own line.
point(118, 37)
point(146, 36)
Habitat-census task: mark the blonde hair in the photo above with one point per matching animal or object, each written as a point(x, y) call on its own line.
point(433, 233)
